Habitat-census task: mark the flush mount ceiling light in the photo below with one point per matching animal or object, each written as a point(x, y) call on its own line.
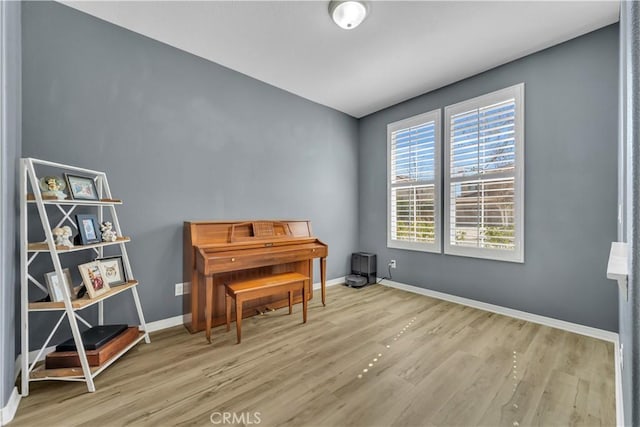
point(347, 14)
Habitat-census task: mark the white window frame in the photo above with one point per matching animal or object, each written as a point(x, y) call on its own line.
point(516, 255)
point(436, 117)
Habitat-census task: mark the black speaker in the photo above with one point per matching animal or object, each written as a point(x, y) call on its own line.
point(364, 264)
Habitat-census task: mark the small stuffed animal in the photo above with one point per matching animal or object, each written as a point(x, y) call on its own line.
point(108, 235)
point(62, 236)
point(57, 235)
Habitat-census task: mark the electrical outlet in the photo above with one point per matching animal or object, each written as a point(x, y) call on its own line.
point(392, 263)
point(183, 288)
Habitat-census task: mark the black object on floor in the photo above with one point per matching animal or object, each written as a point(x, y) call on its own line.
point(363, 270)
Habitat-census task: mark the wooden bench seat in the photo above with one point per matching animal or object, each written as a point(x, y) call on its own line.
point(244, 290)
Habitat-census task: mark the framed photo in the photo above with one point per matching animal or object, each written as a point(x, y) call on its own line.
point(93, 278)
point(55, 290)
point(113, 268)
point(81, 187)
point(88, 228)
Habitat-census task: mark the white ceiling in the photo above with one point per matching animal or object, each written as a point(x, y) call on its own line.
point(402, 49)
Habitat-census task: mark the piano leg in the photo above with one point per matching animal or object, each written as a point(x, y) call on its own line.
point(323, 279)
point(227, 306)
point(208, 310)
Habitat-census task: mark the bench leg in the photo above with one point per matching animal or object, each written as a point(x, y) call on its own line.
point(227, 306)
point(239, 318)
point(304, 301)
point(290, 302)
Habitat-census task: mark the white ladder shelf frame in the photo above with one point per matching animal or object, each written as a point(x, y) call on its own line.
point(29, 177)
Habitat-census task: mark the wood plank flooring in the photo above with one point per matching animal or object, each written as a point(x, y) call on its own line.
point(428, 363)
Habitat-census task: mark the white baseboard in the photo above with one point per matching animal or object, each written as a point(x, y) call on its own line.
point(161, 324)
point(332, 282)
point(523, 315)
point(535, 318)
point(9, 411)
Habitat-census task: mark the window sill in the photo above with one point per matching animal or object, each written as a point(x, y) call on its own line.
point(412, 246)
point(488, 254)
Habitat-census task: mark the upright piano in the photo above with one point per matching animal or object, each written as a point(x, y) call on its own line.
point(227, 251)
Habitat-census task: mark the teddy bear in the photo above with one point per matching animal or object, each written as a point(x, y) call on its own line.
point(108, 235)
point(62, 236)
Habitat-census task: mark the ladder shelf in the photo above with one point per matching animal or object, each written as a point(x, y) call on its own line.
point(31, 195)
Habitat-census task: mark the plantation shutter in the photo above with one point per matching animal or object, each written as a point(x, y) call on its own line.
point(414, 181)
point(483, 180)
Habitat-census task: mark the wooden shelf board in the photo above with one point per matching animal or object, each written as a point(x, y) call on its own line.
point(50, 201)
point(81, 303)
point(98, 369)
point(43, 247)
point(41, 373)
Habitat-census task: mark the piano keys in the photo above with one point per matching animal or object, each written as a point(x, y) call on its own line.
point(228, 251)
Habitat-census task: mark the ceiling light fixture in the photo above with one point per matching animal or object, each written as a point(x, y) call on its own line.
point(348, 14)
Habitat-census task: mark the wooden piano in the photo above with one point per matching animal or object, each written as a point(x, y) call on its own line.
point(228, 251)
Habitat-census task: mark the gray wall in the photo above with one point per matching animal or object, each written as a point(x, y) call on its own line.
point(9, 155)
point(181, 139)
point(629, 187)
point(166, 126)
point(570, 187)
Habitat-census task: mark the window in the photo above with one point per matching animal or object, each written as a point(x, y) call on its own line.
point(484, 176)
point(414, 183)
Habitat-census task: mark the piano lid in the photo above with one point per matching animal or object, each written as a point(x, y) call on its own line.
point(236, 234)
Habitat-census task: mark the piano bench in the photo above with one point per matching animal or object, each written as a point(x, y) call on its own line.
point(249, 289)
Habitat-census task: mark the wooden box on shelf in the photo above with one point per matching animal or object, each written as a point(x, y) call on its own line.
point(70, 359)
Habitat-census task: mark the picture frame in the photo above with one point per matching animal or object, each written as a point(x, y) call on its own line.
point(54, 288)
point(81, 187)
point(114, 271)
point(88, 228)
point(93, 278)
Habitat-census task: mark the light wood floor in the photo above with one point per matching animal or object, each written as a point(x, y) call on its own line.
point(437, 364)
